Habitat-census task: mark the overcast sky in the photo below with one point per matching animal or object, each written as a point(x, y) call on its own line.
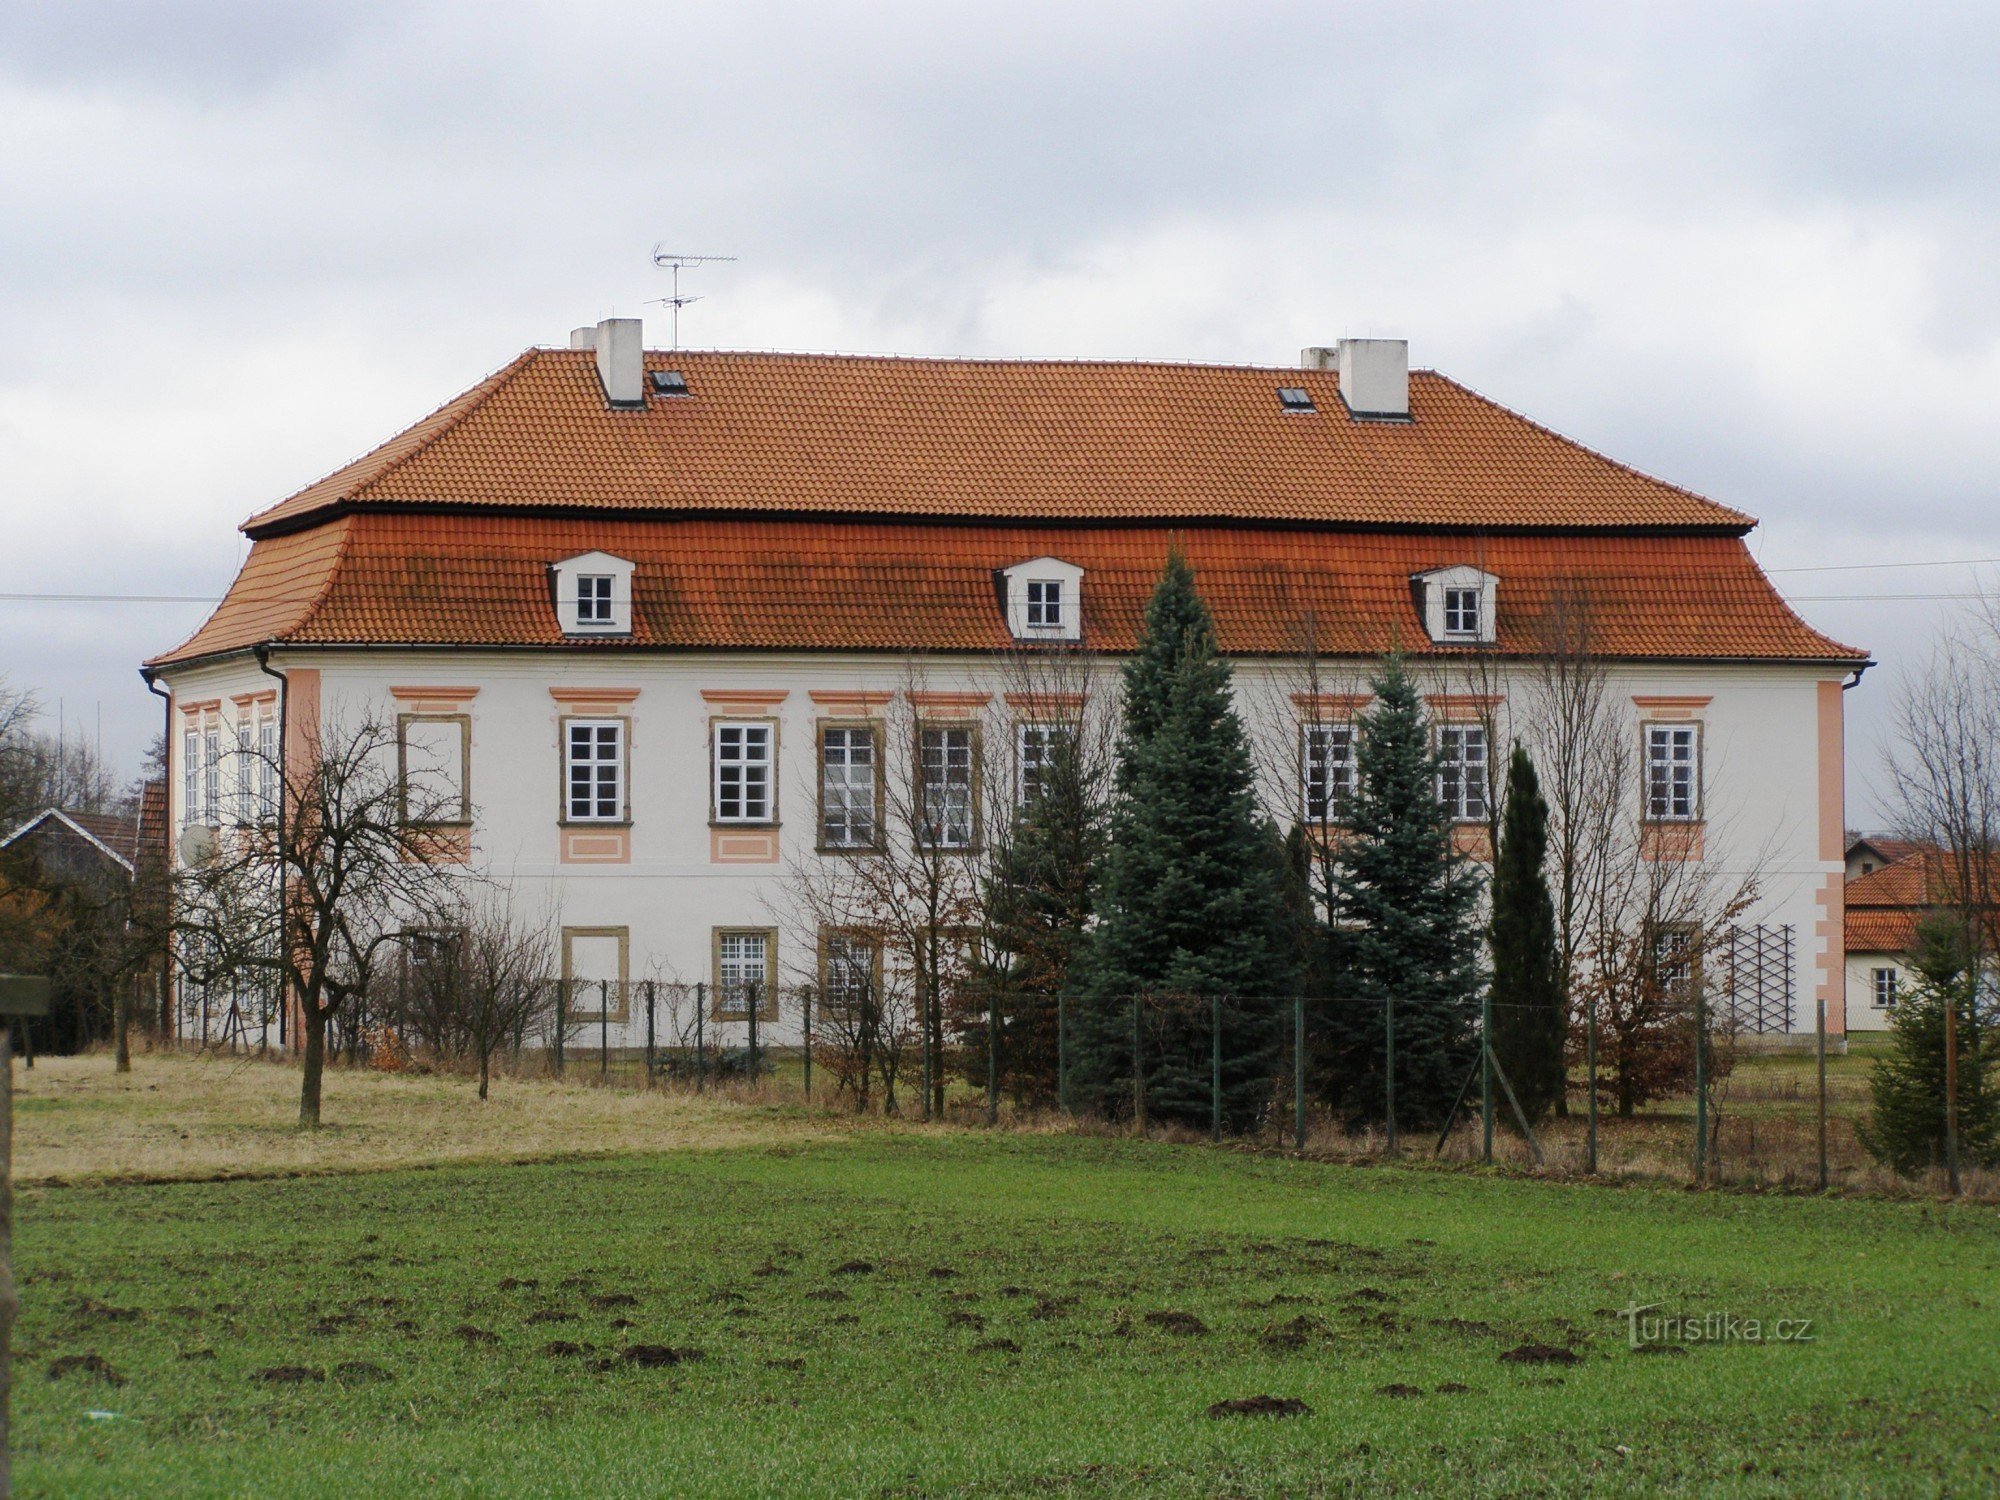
point(1749, 248)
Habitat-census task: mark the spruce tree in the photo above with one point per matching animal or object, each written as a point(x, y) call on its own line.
point(1529, 1026)
point(1409, 902)
point(1908, 1085)
point(1191, 909)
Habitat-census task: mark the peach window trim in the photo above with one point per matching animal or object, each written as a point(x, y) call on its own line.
point(745, 697)
point(1332, 704)
point(1463, 708)
point(1670, 703)
point(827, 698)
point(959, 701)
point(1045, 705)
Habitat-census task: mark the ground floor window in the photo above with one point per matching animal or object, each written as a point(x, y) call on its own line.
point(1885, 988)
point(745, 966)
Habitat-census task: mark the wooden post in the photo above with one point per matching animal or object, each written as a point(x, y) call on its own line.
point(1389, 1064)
point(603, 1028)
point(649, 1033)
point(562, 1022)
point(1700, 1088)
point(1299, 1073)
point(1590, 1078)
point(1819, 1045)
point(700, 1049)
point(1215, 1068)
point(806, 1001)
point(1486, 1077)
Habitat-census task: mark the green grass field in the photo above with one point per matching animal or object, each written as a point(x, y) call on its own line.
point(1038, 1315)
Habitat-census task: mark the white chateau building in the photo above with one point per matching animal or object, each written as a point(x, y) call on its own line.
point(649, 616)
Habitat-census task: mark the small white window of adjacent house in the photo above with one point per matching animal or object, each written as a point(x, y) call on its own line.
point(945, 787)
point(1326, 770)
point(1461, 613)
point(742, 972)
point(1673, 773)
point(1461, 772)
point(594, 755)
point(1038, 749)
point(593, 599)
point(1885, 988)
point(742, 772)
point(1045, 604)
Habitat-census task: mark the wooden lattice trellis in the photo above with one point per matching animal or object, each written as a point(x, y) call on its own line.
point(1758, 962)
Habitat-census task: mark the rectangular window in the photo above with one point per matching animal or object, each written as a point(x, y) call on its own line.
point(1673, 961)
point(1461, 612)
point(945, 787)
point(595, 961)
point(1038, 749)
point(743, 974)
point(1327, 769)
point(742, 773)
point(1462, 772)
point(191, 776)
point(245, 777)
point(593, 599)
point(1045, 604)
point(1673, 779)
point(847, 767)
point(1885, 988)
point(849, 973)
point(211, 776)
point(432, 755)
point(594, 763)
point(267, 768)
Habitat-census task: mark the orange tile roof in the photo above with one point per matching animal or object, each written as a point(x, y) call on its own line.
point(1876, 930)
point(1884, 906)
point(996, 440)
point(431, 578)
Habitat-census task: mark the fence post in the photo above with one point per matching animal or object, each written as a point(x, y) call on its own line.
point(1389, 1064)
point(1138, 1072)
point(1215, 1068)
point(806, 1000)
point(992, 1058)
point(1819, 1046)
point(562, 1021)
point(700, 1047)
point(1951, 1088)
point(1700, 1087)
point(1590, 1075)
point(1299, 1072)
point(603, 1029)
point(649, 1034)
point(756, 1003)
point(1486, 1077)
point(1062, 1054)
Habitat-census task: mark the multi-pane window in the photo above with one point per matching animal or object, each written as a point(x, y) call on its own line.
point(849, 980)
point(1045, 604)
point(1461, 612)
point(1326, 769)
point(267, 768)
point(1673, 961)
point(593, 599)
point(211, 775)
point(847, 766)
point(191, 776)
point(743, 773)
point(594, 750)
point(1462, 770)
point(245, 778)
point(1038, 752)
point(944, 757)
point(742, 972)
point(1673, 773)
point(1885, 981)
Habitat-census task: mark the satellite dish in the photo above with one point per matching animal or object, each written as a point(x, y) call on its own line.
point(197, 844)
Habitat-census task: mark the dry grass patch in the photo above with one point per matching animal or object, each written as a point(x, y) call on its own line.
point(175, 1117)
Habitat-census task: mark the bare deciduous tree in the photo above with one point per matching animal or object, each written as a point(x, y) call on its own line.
point(481, 982)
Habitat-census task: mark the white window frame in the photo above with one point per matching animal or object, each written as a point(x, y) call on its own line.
point(1462, 794)
point(211, 774)
point(1673, 772)
point(1045, 604)
point(1885, 986)
point(1033, 741)
point(855, 959)
point(1461, 612)
point(594, 592)
point(736, 775)
point(731, 997)
point(267, 766)
point(1326, 781)
point(1435, 587)
point(1026, 622)
point(567, 589)
point(243, 779)
point(1673, 949)
point(191, 773)
point(955, 826)
point(596, 780)
point(854, 799)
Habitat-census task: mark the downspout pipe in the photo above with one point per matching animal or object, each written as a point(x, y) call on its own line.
point(262, 651)
point(152, 681)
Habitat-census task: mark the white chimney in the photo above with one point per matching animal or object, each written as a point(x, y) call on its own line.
point(621, 361)
point(1319, 357)
point(1375, 378)
point(583, 338)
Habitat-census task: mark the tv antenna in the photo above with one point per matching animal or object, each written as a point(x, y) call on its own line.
point(676, 262)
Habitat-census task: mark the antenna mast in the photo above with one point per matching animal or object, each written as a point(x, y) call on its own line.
point(675, 261)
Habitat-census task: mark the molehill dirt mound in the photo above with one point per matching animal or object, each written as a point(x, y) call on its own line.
point(996, 1346)
point(605, 1301)
point(1397, 1389)
point(1286, 1338)
point(1453, 1388)
point(958, 1318)
point(827, 1294)
point(1540, 1354)
point(474, 1335)
point(550, 1315)
point(289, 1375)
point(92, 1366)
point(1184, 1323)
point(1261, 1406)
point(659, 1356)
point(564, 1349)
point(854, 1268)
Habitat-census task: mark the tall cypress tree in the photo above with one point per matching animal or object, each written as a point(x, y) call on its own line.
point(1191, 909)
point(1529, 1027)
point(1409, 901)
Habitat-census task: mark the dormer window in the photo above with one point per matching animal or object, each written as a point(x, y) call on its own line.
point(592, 594)
point(1045, 604)
point(1456, 604)
point(1042, 599)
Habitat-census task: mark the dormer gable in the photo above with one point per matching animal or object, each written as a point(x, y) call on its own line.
point(593, 594)
point(1042, 599)
point(1457, 604)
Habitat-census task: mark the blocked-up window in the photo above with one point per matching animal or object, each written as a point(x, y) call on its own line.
point(945, 775)
point(847, 770)
point(594, 751)
point(433, 759)
point(1462, 771)
point(743, 773)
point(1673, 772)
point(594, 963)
point(1039, 749)
point(1326, 768)
point(742, 972)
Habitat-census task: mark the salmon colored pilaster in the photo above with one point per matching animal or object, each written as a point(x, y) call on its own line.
point(1832, 843)
point(301, 706)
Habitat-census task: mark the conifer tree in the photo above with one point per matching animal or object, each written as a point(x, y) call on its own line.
point(1908, 1085)
point(1191, 909)
point(1408, 900)
point(1529, 1024)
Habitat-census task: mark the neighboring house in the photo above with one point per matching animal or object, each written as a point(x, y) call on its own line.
point(1883, 910)
point(647, 615)
point(76, 848)
point(1869, 852)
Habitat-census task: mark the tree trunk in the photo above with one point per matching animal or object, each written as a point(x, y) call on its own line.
point(314, 1069)
point(121, 1027)
point(485, 1070)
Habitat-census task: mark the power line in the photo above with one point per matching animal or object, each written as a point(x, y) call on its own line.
point(1874, 598)
point(110, 598)
point(1949, 562)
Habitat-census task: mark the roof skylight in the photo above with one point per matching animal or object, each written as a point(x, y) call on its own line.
point(1295, 398)
point(669, 383)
